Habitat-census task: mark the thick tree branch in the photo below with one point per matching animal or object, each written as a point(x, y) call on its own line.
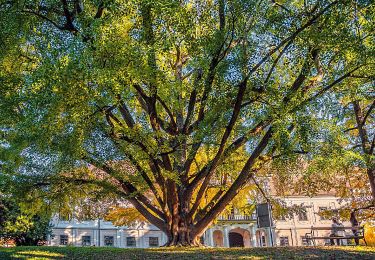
point(173, 126)
point(192, 101)
point(280, 5)
point(128, 187)
point(125, 113)
point(325, 89)
point(62, 28)
point(147, 179)
point(221, 15)
point(298, 81)
point(161, 224)
point(260, 189)
point(99, 11)
point(228, 130)
point(68, 17)
point(350, 129)
point(239, 142)
point(276, 61)
point(372, 106)
point(216, 58)
point(372, 145)
point(233, 190)
point(360, 123)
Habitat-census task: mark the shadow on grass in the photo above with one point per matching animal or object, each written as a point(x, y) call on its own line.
point(188, 253)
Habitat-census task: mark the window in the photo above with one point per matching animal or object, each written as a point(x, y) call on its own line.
point(302, 215)
point(108, 240)
point(153, 241)
point(263, 241)
point(321, 213)
point(64, 240)
point(130, 241)
point(86, 241)
point(284, 241)
point(304, 241)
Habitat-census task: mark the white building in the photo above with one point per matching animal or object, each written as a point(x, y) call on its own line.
point(229, 231)
point(104, 233)
point(292, 231)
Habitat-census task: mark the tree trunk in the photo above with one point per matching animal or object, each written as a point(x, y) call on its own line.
point(371, 176)
point(182, 235)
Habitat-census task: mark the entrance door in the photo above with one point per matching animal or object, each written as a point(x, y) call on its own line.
point(235, 240)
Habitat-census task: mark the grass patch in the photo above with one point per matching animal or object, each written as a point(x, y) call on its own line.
point(39, 253)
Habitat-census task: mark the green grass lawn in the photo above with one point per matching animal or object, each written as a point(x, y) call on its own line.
point(359, 252)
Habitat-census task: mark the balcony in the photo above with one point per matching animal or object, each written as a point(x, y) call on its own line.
point(237, 218)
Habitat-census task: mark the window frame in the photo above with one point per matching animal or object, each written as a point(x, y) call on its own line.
point(304, 213)
point(130, 238)
point(263, 241)
point(66, 237)
point(320, 209)
point(112, 238)
point(284, 239)
point(153, 244)
point(84, 240)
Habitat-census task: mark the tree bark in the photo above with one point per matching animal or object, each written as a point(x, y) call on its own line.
point(182, 233)
point(371, 177)
point(367, 146)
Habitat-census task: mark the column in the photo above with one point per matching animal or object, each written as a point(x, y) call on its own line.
point(141, 240)
point(121, 238)
point(99, 236)
point(270, 237)
point(254, 236)
point(295, 236)
point(74, 237)
point(117, 241)
point(210, 239)
point(94, 237)
point(226, 236)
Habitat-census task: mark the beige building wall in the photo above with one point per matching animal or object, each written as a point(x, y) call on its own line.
point(295, 229)
point(143, 234)
point(55, 239)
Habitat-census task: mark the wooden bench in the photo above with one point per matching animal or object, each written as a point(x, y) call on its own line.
point(313, 235)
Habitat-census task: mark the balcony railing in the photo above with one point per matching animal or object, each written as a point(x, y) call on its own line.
point(236, 217)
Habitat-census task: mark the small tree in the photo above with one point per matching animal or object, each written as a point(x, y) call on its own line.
point(22, 228)
point(361, 123)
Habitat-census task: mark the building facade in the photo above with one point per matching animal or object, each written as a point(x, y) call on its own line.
point(292, 231)
point(228, 231)
point(104, 233)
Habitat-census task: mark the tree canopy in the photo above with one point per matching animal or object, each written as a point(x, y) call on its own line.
point(156, 101)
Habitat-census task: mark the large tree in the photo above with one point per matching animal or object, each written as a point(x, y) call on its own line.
point(157, 83)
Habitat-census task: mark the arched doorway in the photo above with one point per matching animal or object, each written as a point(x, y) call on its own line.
point(235, 239)
point(239, 237)
point(218, 238)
